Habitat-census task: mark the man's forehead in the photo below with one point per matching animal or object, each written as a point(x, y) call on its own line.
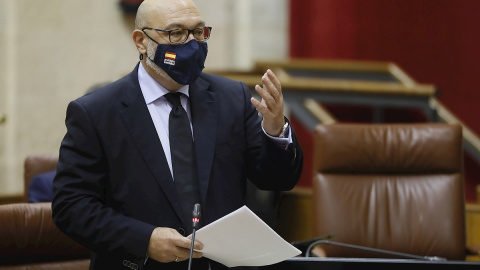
point(175, 16)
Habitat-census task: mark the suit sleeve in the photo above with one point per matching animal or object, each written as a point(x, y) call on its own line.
point(269, 165)
point(79, 193)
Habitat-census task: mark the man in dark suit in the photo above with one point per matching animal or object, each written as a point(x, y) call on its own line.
point(115, 188)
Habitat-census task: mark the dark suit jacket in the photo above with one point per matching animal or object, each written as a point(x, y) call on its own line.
point(113, 184)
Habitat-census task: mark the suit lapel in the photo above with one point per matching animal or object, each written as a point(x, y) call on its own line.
point(204, 121)
point(139, 123)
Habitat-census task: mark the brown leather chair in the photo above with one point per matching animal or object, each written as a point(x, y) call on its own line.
point(30, 240)
point(395, 187)
point(35, 164)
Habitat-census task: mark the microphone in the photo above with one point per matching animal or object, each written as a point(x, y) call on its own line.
point(196, 215)
point(394, 253)
point(303, 245)
point(195, 220)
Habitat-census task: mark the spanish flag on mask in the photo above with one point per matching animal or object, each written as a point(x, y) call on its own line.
point(170, 55)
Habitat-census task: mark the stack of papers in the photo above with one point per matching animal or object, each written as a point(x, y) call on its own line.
point(241, 238)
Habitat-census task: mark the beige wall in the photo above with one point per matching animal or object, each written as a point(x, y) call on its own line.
point(52, 51)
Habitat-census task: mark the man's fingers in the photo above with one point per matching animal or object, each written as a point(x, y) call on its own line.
point(197, 245)
point(167, 245)
point(184, 256)
point(271, 105)
point(270, 88)
point(268, 101)
point(261, 107)
point(183, 242)
point(197, 254)
point(274, 79)
point(261, 91)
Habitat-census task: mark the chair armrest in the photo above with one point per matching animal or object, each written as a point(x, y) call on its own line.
point(29, 235)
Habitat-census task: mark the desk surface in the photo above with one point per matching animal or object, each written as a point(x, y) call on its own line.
point(302, 263)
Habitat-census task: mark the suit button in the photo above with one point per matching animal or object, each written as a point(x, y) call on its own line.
point(181, 231)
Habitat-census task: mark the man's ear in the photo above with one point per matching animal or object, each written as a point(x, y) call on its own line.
point(140, 41)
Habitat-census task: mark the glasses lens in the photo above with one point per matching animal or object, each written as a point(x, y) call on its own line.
point(201, 34)
point(181, 35)
point(206, 33)
point(198, 34)
point(178, 35)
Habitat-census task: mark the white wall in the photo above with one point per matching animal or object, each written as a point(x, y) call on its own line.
point(52, 51)
point(245, 31)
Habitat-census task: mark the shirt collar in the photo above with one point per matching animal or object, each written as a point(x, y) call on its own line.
point(151, 89)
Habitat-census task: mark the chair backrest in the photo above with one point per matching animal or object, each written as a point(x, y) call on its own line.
point(35, 164)
point(397, 187)
point(29, 237)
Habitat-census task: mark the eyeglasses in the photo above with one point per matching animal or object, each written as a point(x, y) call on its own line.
point(179, 36)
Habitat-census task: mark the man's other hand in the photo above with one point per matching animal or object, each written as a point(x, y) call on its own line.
point(271, 106)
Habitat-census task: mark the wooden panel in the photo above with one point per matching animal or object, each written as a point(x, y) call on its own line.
point(402, 84)
point(472, 223)
point(11, 199)
point(295, 215)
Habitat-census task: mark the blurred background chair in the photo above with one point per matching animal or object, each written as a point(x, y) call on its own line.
point(40, 168)
point(28, 237)
point(30, 240)
point(396, 187)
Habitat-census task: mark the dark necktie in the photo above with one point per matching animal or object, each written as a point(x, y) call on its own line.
point(183, 156)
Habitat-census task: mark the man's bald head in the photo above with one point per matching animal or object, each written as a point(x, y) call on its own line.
point(164, 15)
point(141, 19)
point(152, 11)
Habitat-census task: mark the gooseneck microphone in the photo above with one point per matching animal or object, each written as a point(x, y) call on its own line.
point(303, 245)
point(382, 251)
point(195, 220)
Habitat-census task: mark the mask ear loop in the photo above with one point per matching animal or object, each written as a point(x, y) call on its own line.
point(146, 55)
point(141, 55)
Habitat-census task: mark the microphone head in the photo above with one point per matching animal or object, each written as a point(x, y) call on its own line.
point(196, 211)
point(196, 215)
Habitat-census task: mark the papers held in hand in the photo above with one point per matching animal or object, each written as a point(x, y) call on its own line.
point(241, 238)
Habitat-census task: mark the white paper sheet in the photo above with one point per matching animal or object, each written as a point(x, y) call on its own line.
point(241, 238)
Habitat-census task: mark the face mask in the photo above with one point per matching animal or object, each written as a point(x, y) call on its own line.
point(183, 62)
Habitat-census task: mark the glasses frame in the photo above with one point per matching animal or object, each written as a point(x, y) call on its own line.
point(190, 31)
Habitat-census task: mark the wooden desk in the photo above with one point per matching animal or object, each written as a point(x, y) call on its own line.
point(371, 264)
